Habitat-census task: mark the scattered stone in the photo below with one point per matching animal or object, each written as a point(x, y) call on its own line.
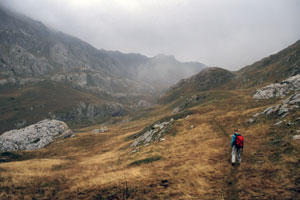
point(269, 110)
point(256, 115)
point(296, 137)
point(156, 133)
point(281, 110)
point(101, 130)
point(162, 139)
point(35, 136)
point(192, 126)
point(251, 120)
point(188, 103)
point(278, 123)
point(290, 123)
point(279, 89)
point(143, 104)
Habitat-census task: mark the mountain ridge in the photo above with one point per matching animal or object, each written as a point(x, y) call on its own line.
point(33, 54)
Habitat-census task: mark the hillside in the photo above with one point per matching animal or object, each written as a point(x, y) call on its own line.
point(191, 162)
point(162, 154)
point(273, 68)
point(33, 55)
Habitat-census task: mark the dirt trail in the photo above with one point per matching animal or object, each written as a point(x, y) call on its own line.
point(230, 180)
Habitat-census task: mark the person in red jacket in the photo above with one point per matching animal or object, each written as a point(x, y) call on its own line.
point(237, 145)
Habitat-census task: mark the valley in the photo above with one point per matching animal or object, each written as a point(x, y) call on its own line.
point(142, 127)
point(193, 162)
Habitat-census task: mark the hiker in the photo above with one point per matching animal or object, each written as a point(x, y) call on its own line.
point(237, 145)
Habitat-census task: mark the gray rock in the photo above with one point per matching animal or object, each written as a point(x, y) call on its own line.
point(251, 120)
point(156, 133)
point(278, 123)
point(91, 112)
point(279, 89)
point(35, 136)
point(143, 104)
point(296, 137)
point(101, 130)
point(281, 110)
point(271, 110)
point(188, 103)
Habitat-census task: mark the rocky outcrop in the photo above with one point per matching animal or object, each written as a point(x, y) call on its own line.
point(282, 89)
point(188, 103)
point(208, 78)
point(16, 60)
point(18, 81)
point(279, 89)
point(281, 110)
point(35, 136)
point(103, 129)
point(91, 112)
point(155, 133)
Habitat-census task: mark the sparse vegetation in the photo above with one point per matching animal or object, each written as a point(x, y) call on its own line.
point(195, 162)
point(192, 161)
point(145, 161)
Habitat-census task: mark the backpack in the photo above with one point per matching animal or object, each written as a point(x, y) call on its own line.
point(239, 141)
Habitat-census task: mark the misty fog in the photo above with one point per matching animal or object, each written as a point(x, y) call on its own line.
point(229, 34)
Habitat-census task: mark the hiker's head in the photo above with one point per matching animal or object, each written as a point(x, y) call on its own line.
point(236, 130)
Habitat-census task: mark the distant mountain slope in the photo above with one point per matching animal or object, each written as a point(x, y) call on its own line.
point(273, 68)
point(96, 81)
point(29, 48)
point(209, 78)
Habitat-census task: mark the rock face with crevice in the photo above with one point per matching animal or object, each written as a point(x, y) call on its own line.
point(35, 136)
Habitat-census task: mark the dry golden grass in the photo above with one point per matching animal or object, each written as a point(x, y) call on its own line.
point(194, 164)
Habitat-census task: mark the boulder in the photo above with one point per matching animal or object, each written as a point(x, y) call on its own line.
point(280, 110)
point(279, 89)
point(35, 136)
point(101, 130)
point(296, 137)
point(193, 100)
point(156, 133)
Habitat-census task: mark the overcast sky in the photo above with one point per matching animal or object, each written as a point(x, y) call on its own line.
point(224, 33)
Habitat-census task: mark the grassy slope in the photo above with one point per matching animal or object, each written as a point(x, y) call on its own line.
point(33, 102)
point(194, 164)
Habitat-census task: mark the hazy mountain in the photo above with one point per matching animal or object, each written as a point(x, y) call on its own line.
point(273, 68)
point(209, 78)
point(35, 58)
